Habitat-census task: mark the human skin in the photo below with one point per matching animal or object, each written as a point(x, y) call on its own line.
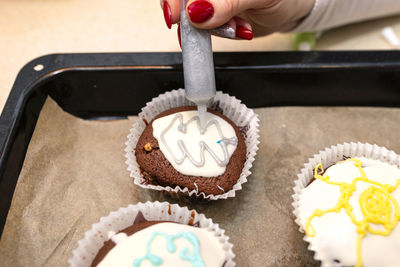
point(261, 17)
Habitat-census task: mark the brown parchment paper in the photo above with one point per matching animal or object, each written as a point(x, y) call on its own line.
point(75, 172)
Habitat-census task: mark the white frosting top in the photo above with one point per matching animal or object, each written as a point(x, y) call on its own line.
point(335, 234)
point(181, 132)
point(132, 247)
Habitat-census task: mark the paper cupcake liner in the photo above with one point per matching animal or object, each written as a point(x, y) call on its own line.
point(328, 157)
point(228, 105)
point(94, 239)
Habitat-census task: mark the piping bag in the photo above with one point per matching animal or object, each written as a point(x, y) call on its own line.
point(198, 65)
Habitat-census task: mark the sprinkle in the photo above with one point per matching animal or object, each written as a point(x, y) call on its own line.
point(219, 141)
point(148, 147)
point(197, 188)
point(220, 188)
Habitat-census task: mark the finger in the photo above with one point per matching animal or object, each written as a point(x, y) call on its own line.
point(171, 10)
point(242, 22)
point(243, 29)
point(209, 14)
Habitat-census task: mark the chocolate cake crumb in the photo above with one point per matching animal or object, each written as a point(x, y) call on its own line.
point(243, 130)
point(191, 220)
point(139, 218)
point(215, 106)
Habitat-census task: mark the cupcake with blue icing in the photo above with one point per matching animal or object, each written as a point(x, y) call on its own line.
point(154, 234)
point(169, 150)
point(347, 203)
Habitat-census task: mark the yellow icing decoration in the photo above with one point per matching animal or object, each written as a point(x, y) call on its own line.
point(376, 202)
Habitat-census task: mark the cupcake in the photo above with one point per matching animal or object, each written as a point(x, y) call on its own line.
point(168, 149)
point(347, 202)
point(154, 234)
point(173, 151)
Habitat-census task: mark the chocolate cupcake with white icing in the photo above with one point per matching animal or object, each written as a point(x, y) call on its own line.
point(173, 151)
point(347, 202)
point(154, 234)
point(169, 150)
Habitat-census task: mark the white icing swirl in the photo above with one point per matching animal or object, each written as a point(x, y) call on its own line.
point(336, 236)
point(191, 151)
point(134, 246)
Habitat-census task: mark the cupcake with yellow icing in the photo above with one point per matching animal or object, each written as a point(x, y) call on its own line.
point(347, 203)
point(154, 234)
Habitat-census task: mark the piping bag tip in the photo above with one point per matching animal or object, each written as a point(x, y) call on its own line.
point(198, 66)
point(202, 109)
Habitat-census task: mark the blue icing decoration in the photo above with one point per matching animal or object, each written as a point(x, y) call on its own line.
point(219, 141)
point(195, 259)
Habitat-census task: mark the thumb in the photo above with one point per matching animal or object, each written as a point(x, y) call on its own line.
point(209, 14)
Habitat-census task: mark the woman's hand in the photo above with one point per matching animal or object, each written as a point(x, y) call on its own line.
point(244, 16)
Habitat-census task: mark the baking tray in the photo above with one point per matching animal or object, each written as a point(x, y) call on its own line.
point(94, 86)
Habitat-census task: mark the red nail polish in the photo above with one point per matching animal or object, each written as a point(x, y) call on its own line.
point(167, 14)
point(244, 33)
point(179, 35)
point(200, 11)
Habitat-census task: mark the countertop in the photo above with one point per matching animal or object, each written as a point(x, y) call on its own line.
point(32, 28)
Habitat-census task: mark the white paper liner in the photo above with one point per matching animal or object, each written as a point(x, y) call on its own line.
point(231, 108)
point(94, 239)
point(328, 157)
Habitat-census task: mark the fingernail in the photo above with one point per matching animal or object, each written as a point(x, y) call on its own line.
point(244, 33)
point(200, 11)
point(179, 35)
point(167, 14)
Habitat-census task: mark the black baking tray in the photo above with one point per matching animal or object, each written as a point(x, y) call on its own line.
point(98, 86)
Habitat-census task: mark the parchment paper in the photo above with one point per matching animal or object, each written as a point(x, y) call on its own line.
point(75, 172)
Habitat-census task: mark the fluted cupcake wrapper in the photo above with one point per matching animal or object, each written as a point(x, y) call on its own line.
point(228, 105)
point(94, 239)
point(328, 157)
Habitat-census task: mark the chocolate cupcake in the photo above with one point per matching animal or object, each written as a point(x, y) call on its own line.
point(347, 202)
point(158, 234)
point(172, 151)
point(168, 150)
